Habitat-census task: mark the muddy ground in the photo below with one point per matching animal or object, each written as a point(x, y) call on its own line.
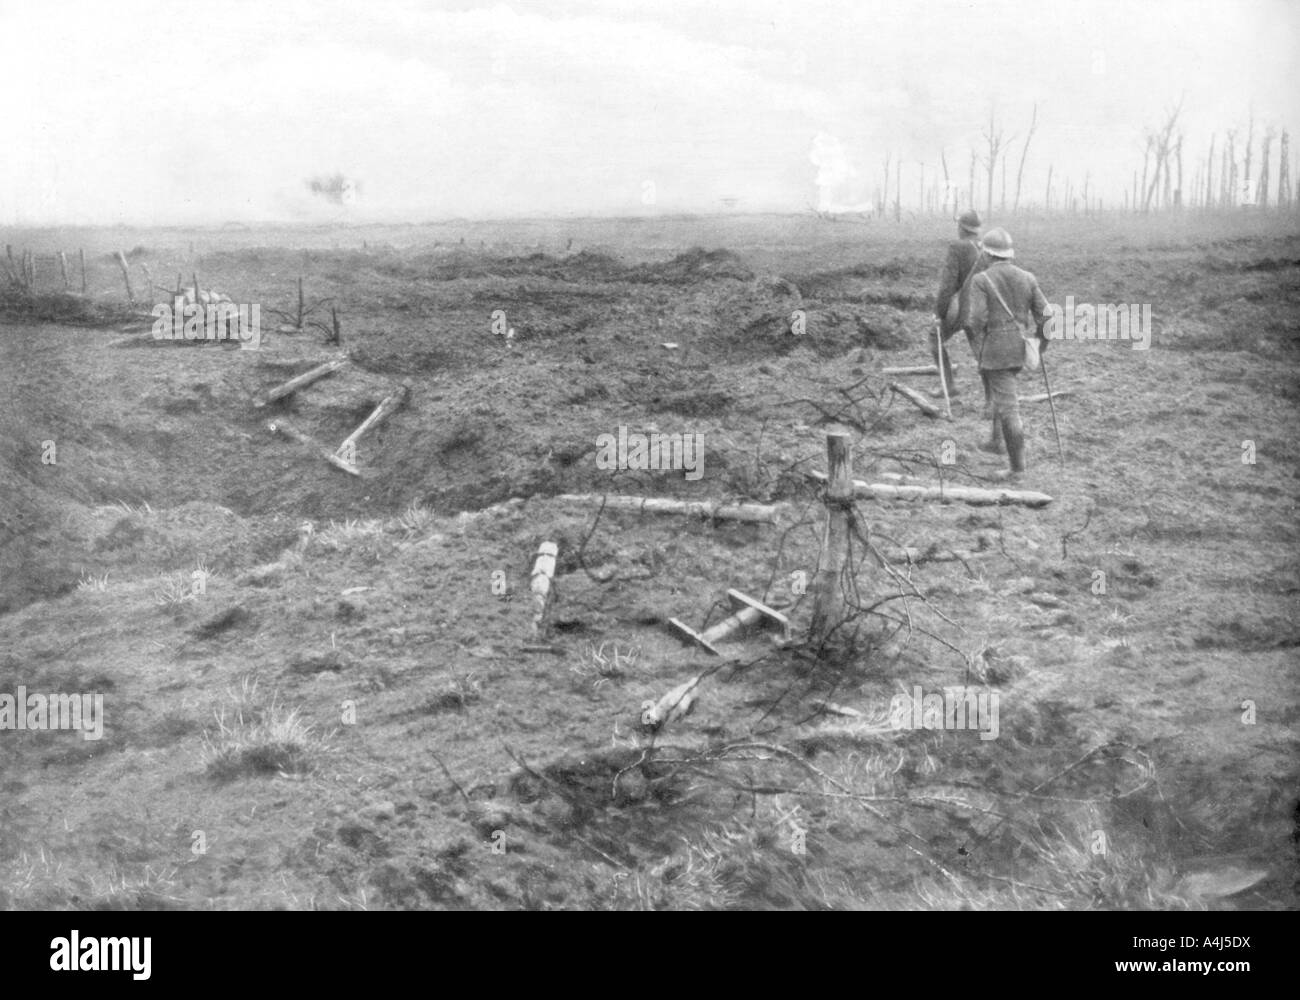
point(349, 714)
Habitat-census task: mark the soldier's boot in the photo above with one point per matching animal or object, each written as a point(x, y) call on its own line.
point(994, 444)
point(988, 399)
point(1013, 430)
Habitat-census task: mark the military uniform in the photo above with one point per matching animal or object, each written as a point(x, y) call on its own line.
point(964, 259)
point(998, 334)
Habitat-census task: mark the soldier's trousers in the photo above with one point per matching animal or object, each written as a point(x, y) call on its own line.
point(1001, 385)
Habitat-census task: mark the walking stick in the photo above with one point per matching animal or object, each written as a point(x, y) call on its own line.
point(1042, 363)
point(943, 379)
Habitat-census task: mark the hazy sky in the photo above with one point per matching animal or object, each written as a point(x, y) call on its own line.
point(158, 112)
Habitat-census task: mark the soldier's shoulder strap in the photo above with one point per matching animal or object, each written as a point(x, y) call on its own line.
point(998, 295)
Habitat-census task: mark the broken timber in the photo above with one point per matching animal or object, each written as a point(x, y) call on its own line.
point(283, 427)
point(911, 370)
point(381, 413)
point(745, 612)
point(944, 494)
point(922, 404)
point(753, 513)
point(540, 585)
point(306, 378)
point(1042, 397)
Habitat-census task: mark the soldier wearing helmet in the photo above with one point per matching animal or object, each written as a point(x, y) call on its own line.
point(1006, 304)
point(964, 260)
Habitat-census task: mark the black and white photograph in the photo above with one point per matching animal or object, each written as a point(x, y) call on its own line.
point(650, 456)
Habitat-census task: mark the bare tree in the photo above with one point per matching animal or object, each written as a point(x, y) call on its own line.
point(884, 198)
point(971, 189)
point(1231, 175)
point(1263, 167)
point(993, 138)
point(947, 188)
point(1024, 151)
point(1146, 160)
point(1209, 175)
point(1284, 172)
point(1161, 142)
point(1250, 139)
point(1178, 190)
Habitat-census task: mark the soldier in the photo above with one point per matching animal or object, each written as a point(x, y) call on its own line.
point(1004, 301)
point(964, 260)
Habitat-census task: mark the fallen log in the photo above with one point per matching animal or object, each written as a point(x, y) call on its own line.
point(540, 584)
point(306, 378)
point(1042, 396)
point(283, 427)
point(381, 413)
point(913, 370)
point(749, 512)
point(943, 494)
point(922, 404)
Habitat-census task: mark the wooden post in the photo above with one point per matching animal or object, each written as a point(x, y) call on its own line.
point(828, 596)
point(82, 254)
point(148, 280)
point(338, 334)
point(126, 275)
point(543, 572)
point(300, 303)
point(63, 268)
point(196, 287)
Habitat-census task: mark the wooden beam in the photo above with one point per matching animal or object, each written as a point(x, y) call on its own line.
point(306, 378)
point(1042, 396)
point(283, 427)
point(380, 414)
point(752, 513)
point(945, 494)
point(922, 404)
point(913, 370)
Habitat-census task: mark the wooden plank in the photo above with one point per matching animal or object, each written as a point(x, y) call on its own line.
point(752, 513)
point(286, 429)
point(913, 370)
point(1042, 396)
point(912, 396)
point(306, 378)
point(946, 494)
point(381, 413)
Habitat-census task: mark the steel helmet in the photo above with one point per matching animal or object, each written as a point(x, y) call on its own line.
point(997, 243)
point(970, 222)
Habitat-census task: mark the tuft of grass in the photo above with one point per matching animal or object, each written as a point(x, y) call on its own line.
point(174, 592)
point(341, 536)
point(90, 582)
point(598, 665)
point(416, 518)
point(255, 735)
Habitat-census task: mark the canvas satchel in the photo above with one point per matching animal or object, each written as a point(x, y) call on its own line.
point(1033, 361)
